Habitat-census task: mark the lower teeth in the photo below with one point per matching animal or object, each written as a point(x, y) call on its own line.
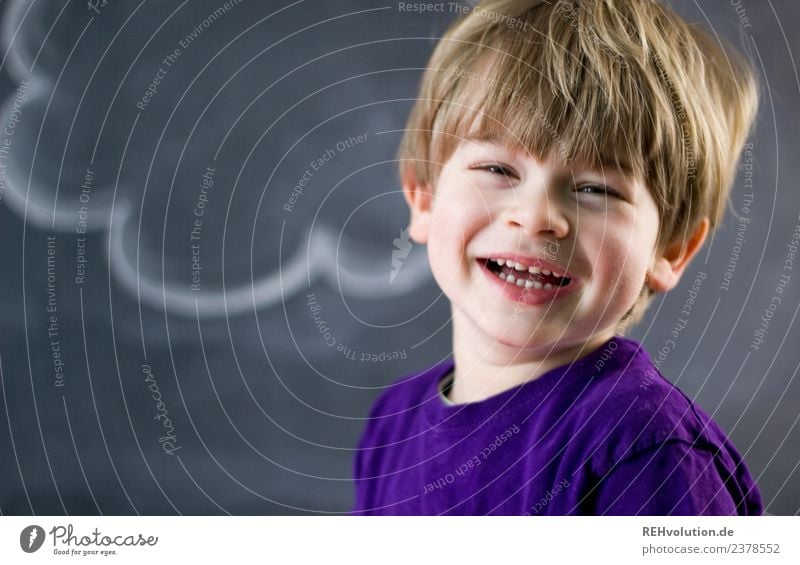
point(527, 283)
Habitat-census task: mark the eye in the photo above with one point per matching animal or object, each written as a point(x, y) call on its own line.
point(597, 189)
point(497, 169)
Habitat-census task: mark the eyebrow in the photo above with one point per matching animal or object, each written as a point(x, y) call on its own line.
point(609, 165)
point(492, 139)
point(484, 137)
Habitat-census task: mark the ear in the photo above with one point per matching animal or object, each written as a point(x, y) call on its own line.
point(420, 201)
point(668, 266)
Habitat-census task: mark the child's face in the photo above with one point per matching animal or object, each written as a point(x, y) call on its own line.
point(490, 202)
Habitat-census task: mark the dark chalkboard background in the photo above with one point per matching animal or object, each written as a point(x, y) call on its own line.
point(122, 117)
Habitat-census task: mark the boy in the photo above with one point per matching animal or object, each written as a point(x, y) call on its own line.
point(564, 162)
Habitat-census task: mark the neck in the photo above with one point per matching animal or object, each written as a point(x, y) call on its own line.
point(488, 365)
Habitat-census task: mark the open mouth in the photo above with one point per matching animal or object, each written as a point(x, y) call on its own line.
point(524, 276)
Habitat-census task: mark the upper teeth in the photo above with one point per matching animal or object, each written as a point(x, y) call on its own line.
point(516, 265)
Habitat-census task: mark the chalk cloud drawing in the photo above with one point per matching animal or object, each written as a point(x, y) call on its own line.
point(314, 260)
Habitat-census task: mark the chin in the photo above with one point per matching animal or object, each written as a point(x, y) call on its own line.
point(519, 336)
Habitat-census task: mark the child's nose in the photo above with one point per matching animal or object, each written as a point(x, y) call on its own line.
point(537, 212)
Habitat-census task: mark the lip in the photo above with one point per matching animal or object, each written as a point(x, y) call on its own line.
point(531, 262)
point(522, 295)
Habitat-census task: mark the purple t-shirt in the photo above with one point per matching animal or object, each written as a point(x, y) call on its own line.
point(607, 434)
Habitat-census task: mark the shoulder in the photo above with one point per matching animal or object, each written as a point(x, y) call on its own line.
point(644, 432)
point(409, 390)
point(392, 417)
point(400, 402)
point(636, 408)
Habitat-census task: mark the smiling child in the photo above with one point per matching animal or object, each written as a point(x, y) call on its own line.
point(561, 171)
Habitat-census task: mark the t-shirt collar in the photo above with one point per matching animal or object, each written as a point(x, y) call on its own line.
point(443, 415)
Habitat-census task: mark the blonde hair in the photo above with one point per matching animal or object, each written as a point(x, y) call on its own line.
point(620, 83)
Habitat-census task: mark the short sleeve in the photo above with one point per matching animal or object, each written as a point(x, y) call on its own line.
point(673, 478)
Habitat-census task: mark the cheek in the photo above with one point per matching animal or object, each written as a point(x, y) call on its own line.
point(618, 252)
point(455, 220)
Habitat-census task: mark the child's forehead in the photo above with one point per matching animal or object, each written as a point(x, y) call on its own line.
point(496, 99)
